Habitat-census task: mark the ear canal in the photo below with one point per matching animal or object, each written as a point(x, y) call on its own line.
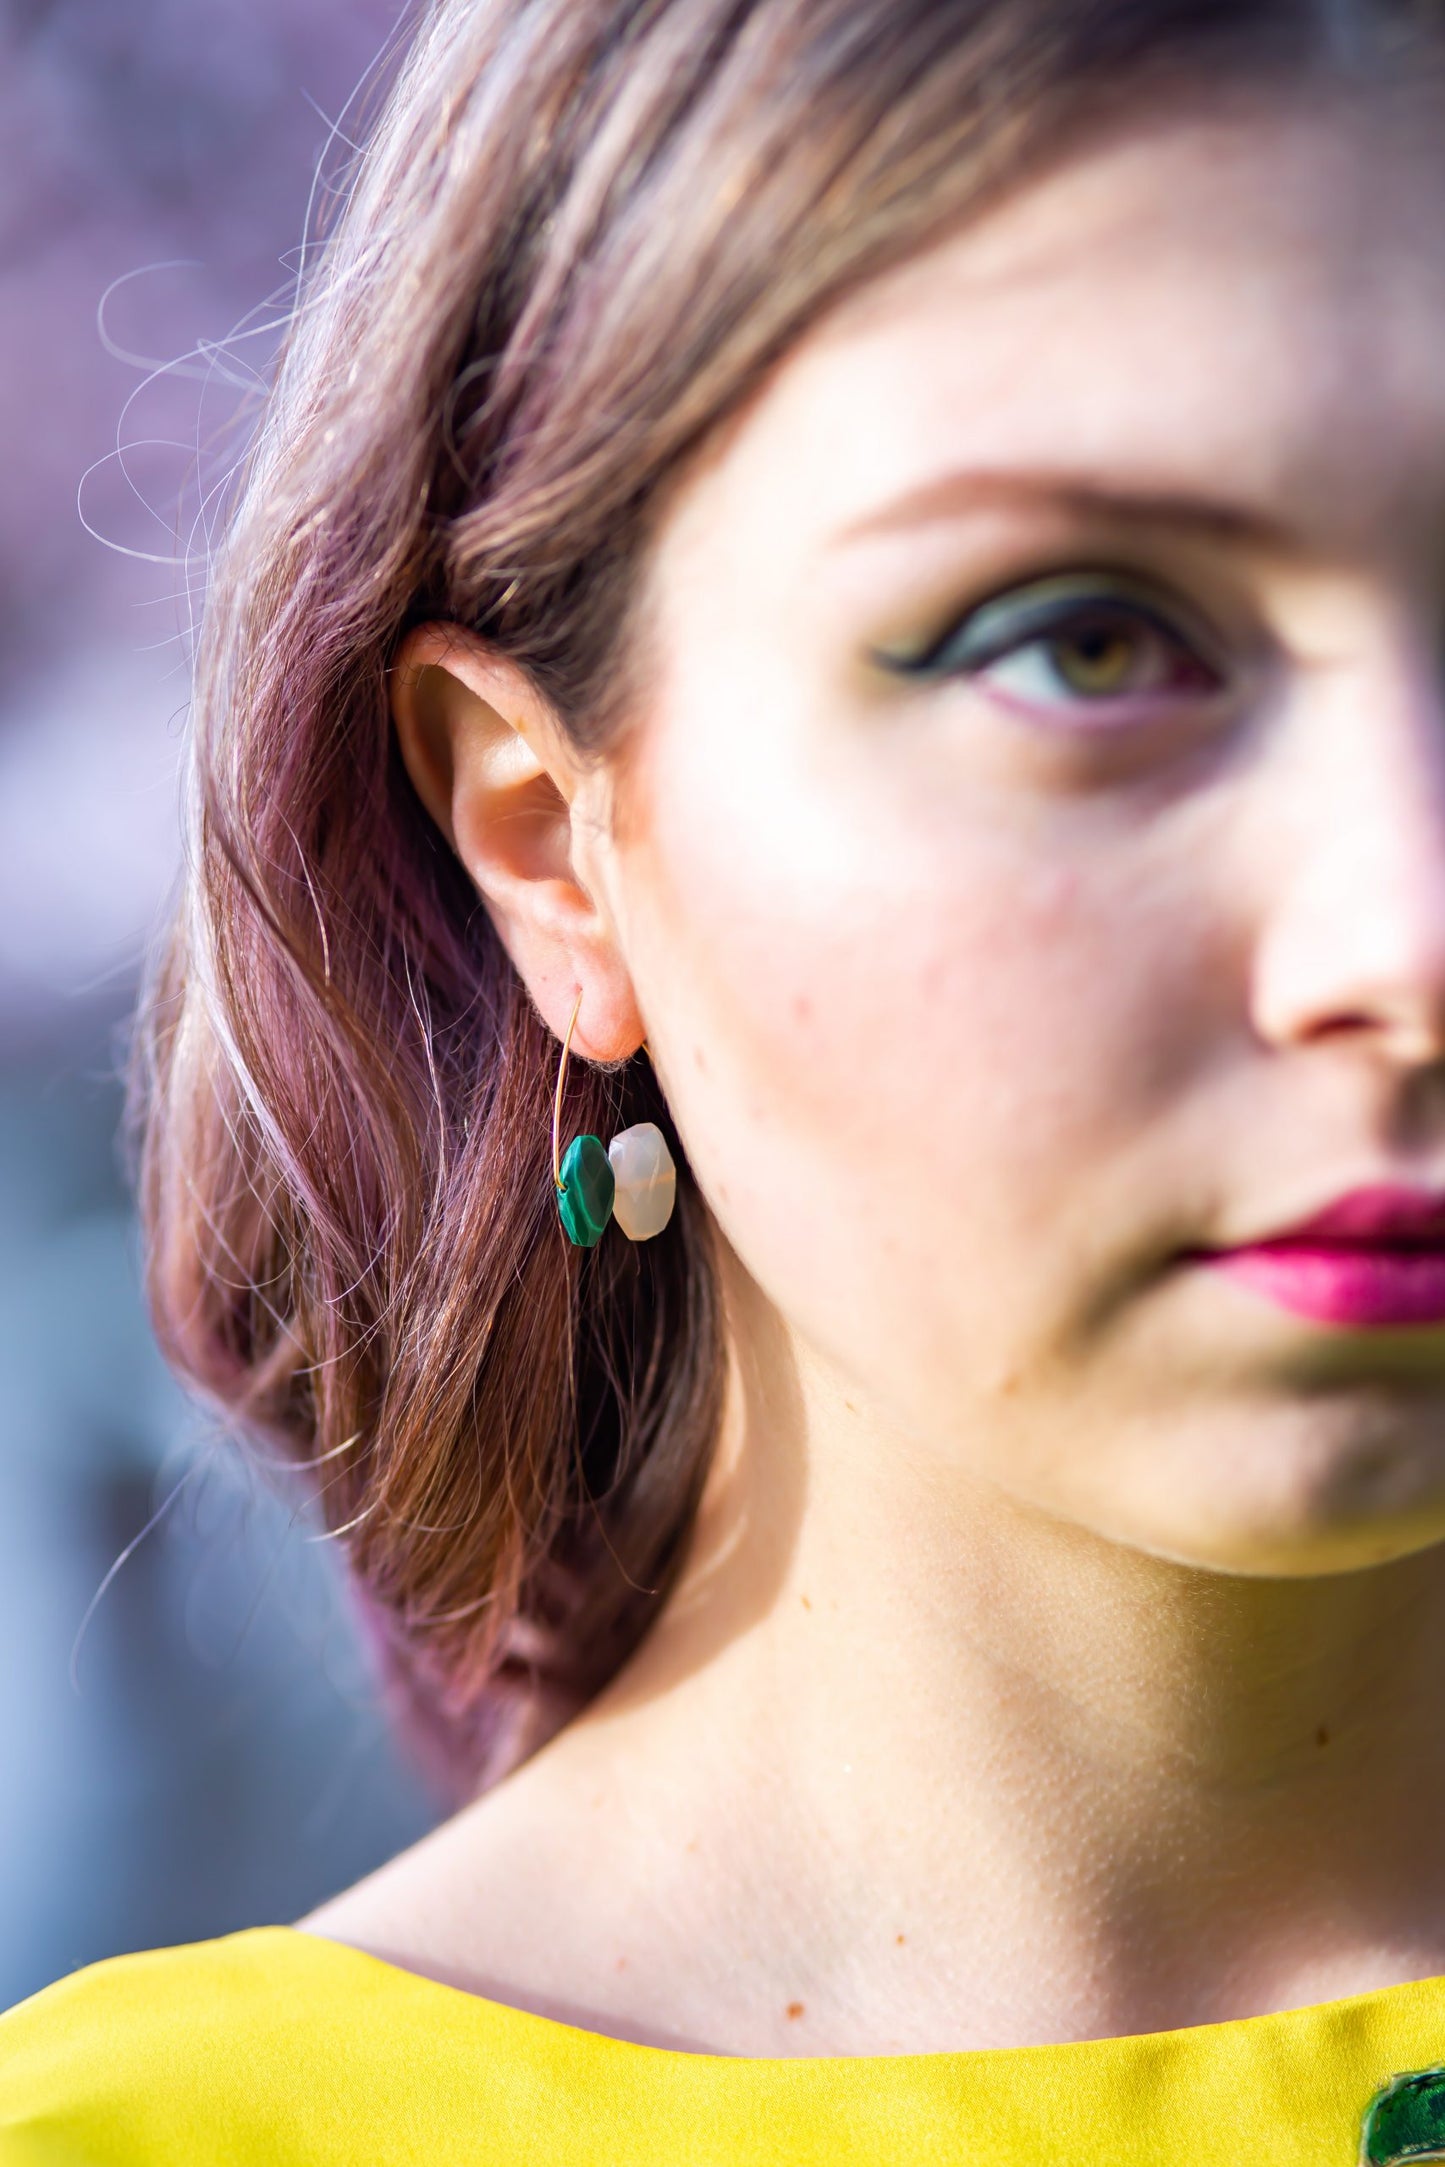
point(646, 1180)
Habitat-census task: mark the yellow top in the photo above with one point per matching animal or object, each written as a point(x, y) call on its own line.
point(276, 2047)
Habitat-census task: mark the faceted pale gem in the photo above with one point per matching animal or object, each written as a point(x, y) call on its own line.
point(584, 1201)
point(646, 1181)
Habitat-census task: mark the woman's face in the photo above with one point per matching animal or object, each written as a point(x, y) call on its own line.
point(1033, 860)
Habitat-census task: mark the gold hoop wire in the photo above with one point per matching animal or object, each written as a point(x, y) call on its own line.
point(557, 1099)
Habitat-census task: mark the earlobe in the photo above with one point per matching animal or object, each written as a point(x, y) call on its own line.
point(497, 774)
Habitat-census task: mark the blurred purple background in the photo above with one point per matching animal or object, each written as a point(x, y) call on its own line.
point(189, 1737)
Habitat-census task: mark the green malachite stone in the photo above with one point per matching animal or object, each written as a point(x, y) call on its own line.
point(1406, 2121)
point(584, 1201)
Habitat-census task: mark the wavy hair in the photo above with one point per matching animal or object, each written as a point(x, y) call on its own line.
point(580, 235)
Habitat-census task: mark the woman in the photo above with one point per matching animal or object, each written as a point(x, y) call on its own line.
point(847, 592)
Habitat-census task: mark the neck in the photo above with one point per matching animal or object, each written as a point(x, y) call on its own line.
point(980, 1777)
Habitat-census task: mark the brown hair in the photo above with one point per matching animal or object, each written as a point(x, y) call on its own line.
point(581, 234)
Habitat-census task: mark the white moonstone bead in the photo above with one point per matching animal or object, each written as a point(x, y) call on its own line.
point(646, 1181)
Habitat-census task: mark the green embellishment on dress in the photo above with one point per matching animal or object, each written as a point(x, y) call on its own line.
point(584, 1201)
point(1406, 2120)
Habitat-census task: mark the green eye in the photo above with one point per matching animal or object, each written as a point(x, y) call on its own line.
point(1070, 640)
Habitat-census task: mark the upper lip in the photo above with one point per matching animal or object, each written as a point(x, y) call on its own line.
point(1385, 1214)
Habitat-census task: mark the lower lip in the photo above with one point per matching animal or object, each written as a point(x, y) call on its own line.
point(1342, 1286)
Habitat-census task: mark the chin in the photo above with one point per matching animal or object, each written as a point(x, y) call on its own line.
point(1340, 1514)
point(1288, 1488)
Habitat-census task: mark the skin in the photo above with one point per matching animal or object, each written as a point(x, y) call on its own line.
point(1059, 1649)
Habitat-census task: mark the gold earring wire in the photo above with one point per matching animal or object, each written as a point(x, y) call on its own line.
point(557, 1098)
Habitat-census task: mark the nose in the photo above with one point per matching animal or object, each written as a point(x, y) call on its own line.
point(1353, 942)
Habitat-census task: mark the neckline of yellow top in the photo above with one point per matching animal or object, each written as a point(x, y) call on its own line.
point(490, 2004)
point(171, 2057)
point(1182, 2035)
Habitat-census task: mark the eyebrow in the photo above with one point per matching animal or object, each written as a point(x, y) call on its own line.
point(966, 488)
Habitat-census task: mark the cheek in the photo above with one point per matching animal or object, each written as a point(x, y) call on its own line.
point(905, 1045)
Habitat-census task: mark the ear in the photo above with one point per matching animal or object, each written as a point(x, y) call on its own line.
point(492, 765)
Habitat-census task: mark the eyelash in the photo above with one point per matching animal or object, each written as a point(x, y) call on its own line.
point(1060, 606)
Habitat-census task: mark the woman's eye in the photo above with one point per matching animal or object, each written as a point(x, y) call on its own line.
point(1072, 642)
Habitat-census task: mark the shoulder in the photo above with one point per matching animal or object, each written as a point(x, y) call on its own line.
point(113, 2062)
point(266, 2045)
point(277, 2046)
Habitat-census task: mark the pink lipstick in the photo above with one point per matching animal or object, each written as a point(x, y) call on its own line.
point(1374, 1257)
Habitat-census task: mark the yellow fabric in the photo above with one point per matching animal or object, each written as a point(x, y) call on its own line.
point(273, 2046)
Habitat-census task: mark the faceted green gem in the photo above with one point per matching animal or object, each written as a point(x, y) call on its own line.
point(1406, 2120)
point(589, 1185)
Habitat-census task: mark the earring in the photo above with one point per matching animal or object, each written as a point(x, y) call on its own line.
point(634, 1180)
